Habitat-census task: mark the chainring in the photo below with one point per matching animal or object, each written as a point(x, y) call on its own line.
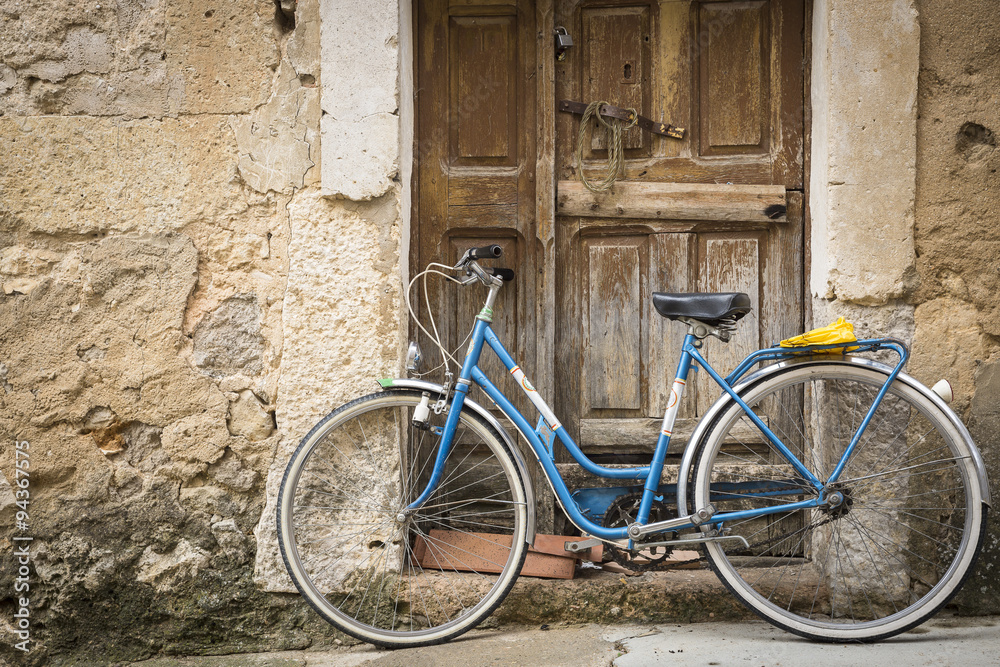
point(622, 512)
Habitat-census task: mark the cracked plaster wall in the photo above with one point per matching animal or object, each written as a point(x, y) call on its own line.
point(957, 236)
point(904, 203)
point(178, 302)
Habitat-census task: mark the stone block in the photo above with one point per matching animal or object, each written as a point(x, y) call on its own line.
point(362, 86)
point(211, 500)
point(163, 571)
point(231, 539)
point(360, 158)
point(223, 56)
point(866, 60)
point(89, 175)
point(957, 151)
point(361, 109)
point(199, 438)
point(103, 329)
point(8, 506)
point(342, 329)
point(276, 140)
point(232, 472)
point(894, 319)
point(869, 262)
point(303, 46)
point(228, 340)
point(979, 596)
point(948, 343)
point(248, 418)
point(88, 59)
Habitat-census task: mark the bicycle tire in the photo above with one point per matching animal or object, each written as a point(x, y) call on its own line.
point(416, 582)
point(886, 559)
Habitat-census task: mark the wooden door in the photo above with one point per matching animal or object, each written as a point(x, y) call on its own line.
point(720, 210)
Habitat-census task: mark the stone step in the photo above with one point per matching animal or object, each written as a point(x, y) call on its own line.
point(598, 596)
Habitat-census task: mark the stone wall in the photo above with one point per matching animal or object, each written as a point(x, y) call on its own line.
point(164, 252)
point(957, 235)
point(186, 286)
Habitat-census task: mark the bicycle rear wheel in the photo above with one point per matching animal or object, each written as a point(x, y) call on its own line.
point(382, 576)
point(898, 546)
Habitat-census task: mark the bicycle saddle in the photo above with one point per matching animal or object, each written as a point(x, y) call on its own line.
point(710, 308)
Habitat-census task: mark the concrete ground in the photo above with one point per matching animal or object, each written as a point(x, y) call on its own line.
point(944, 640)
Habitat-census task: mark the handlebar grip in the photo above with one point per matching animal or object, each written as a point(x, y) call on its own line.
point(507, 275)
point(486, 252)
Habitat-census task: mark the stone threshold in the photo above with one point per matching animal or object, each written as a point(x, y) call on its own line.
point(599, 596)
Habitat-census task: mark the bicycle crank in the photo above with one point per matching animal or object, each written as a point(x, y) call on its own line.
point(642, 557)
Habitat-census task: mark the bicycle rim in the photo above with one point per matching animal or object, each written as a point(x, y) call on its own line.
point(396, 581)
point(897, 547)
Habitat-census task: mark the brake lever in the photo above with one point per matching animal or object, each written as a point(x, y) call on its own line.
point(463, 261)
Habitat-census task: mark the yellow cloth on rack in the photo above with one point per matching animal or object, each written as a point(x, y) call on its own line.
point(840, 331)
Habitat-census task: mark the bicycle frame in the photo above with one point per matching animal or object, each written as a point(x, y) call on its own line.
point(540, 438)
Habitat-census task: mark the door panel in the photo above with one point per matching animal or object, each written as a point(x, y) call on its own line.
point(733, 79)
point(483, 58)
point(615, 269)
point(617, 63)
point(730, 262)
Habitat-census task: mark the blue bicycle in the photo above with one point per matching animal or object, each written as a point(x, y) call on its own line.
point(834, 495)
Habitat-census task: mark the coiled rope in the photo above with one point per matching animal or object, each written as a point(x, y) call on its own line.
point(613, 128)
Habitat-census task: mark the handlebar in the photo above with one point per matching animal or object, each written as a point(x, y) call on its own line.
point(491, 251)
point(506, 275)
point(469, 263)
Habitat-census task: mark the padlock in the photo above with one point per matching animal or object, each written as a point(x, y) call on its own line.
point(563, 42)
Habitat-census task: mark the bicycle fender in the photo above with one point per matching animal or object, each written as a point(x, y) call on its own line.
point(431, 387)
point(687, 462)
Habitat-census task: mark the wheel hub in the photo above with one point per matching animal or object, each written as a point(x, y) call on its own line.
point(838, 502)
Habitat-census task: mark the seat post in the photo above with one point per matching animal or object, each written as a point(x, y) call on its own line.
point(702, 330)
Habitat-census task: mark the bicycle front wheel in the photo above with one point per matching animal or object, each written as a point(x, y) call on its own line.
point(896, 547)
point(381, 574)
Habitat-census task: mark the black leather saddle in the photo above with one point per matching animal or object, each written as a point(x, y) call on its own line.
point(710, 308)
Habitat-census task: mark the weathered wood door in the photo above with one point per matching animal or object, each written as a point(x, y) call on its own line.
point(720, 210)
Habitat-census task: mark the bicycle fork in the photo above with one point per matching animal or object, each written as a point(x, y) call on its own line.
point(461, 390)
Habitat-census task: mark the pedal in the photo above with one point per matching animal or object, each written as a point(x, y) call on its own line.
point(582, 545)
